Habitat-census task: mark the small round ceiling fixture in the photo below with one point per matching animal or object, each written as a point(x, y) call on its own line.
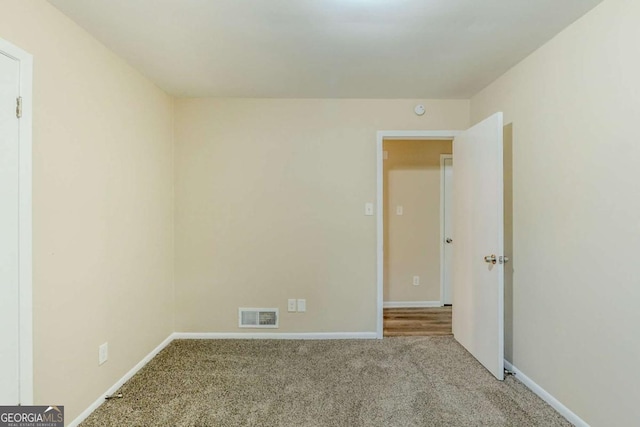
point(419, 110)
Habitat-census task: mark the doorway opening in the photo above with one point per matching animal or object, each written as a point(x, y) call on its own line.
point(478, 219)
point(422, 137)
point(417, 185)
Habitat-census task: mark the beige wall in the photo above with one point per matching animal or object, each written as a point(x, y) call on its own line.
point(269, 206)
point(102, 204)
point(574, 105)
point(412, 240)
point(270, 199)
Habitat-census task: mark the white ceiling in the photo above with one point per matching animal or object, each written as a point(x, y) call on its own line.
point(324, 48)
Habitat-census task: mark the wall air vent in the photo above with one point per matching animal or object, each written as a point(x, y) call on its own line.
point(258, 317)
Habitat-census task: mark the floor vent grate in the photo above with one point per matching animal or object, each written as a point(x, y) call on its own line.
point(258, 317)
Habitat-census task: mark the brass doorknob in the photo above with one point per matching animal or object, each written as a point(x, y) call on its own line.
point(491, 259)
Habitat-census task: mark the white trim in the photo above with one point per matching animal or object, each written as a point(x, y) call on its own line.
point(418, 134)
point(380, 137)
point(546, 396)
point(412, 304)
point(443, 176)
point(274, 336)
point(379, 233)
point(100, 400)
point(25, 227)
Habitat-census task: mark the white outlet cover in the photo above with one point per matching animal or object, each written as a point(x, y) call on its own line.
point(416, 280)
point(302, 305)
point(291, 305)
point(399, 210)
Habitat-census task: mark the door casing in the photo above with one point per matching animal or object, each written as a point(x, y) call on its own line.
point(25, 219)
point(380, 137)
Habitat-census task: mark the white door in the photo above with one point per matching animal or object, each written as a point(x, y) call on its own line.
point(478, 228)
point(9, 243)
point(447, 264)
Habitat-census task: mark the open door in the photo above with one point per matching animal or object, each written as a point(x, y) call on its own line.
point(478, 232)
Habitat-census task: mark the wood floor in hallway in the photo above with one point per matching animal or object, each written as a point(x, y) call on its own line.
point(403, 322)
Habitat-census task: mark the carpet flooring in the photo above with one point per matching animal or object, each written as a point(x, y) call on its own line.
point(403, 381)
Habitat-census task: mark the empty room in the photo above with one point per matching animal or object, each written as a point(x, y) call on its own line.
point(319, 213)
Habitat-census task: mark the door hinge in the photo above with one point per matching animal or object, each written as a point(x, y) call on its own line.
point(19, 107)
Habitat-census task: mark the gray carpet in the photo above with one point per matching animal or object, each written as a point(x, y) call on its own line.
point(427, 381)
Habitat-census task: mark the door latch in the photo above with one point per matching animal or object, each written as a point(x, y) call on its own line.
point(490, 259)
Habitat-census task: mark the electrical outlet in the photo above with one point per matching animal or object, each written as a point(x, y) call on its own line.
point(416, 280)
point(399, 210)
point(291, 305)
point(302, 305)
point(103, 353)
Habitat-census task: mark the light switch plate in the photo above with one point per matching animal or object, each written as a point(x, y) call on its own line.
point(399, 210)
point(103, 353)
point(368, 209)
point(302, 305)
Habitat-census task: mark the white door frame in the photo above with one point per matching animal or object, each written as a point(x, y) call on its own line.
point(25, 217)
point(443, 157)
point(380, 137)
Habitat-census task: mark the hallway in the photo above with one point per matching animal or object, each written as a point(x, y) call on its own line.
point(405, 322)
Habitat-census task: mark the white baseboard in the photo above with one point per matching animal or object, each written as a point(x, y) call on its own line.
point(274, 335)
point(544, 395)
point(411, 304)
point(80, 418)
